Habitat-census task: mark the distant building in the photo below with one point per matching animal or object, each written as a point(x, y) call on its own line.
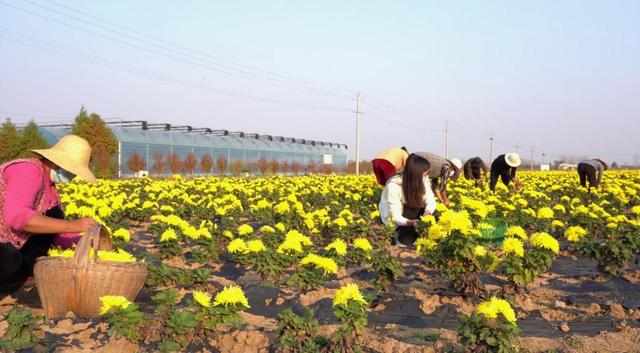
point(567, 166)
point(147, 140)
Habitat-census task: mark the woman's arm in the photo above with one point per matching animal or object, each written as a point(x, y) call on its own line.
point(430, 200)
point(47, 225)
point(394, 200)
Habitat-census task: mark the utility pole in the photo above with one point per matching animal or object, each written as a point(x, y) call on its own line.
point(543, 154)
point(446, 139)
point(358, 134)
point(491, 148)
point(517, 146)
point(531, 158)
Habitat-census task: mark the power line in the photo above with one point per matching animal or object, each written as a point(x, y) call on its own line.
point(49, 46)
point(287, 77)
point(243, 74)
point(156, 52)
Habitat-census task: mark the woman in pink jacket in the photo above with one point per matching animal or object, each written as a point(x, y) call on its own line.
point(32, 218)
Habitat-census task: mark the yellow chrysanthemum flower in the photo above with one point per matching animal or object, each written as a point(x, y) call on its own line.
point(232, 295)
point(245, 229)
point(110, 302)
point(340, 222)
point(423, 244)
point(255, 246)
point(513, 246)
point(202, 298)
point(436, 232)
point(559, 208)
point(237, 246)
point(362, 244)
point(267, 229)
point(479, 250)
point(574, 233)
point(545, 241)
point(456, 221)
point(428, 219)
point(168, 235)
point(116, 256)
point(122, 234)
point(282, 208)
point(281, 227)
point(339, 246)
point(545, 213)
point(491, 308)
point(557, 224)
point(61, 253)
point(516, 231)
point(290, 246)
point(347, 293)
point(323, 263)
point(294, 235)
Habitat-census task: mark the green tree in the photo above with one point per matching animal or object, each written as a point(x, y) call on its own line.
point(10, 146)
point(31, 138)
point(103, 143)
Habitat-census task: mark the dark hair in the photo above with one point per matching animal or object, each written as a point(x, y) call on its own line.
point(474, 168)
point(404, 149)
point(413, 180)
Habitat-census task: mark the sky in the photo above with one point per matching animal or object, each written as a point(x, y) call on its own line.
point(558, 77)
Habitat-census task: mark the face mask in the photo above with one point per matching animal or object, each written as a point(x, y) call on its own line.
point(61, 176)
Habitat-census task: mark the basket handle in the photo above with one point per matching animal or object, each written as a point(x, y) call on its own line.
point(96, 238)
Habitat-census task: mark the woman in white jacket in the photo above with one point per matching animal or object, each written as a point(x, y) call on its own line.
point(406, 197)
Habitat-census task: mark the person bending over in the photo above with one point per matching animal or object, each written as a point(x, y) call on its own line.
point(504, 167)
point(475, 169)
point(389, 162)
point(405, 198)
point(442, 170)
point(591, 170)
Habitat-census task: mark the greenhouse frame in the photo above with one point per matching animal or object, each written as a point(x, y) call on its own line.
point(147, 139)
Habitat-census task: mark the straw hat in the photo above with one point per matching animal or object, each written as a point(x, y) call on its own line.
point(513, 160)
point(456, 163)
point(72, 154)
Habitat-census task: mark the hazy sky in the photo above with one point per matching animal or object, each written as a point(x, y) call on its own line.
point(558, 76)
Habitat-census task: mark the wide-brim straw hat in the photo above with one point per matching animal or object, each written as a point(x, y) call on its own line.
point(513, 160)
point(71, 153)
point(456, 163)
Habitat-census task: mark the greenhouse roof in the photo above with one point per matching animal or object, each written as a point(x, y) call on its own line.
point(137, 131)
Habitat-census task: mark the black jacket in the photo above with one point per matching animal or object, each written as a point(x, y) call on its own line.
point(500, 167)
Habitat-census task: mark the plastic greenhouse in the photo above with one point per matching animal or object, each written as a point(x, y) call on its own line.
point(148, 139)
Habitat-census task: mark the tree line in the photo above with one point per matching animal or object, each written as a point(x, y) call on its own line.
point(172, 163)
point(17, 142)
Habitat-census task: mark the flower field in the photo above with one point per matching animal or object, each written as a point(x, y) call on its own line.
point(304, 264)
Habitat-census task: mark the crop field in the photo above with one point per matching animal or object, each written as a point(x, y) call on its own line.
point(304, 264)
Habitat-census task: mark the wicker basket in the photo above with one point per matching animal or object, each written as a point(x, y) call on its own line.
point(76, 284)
